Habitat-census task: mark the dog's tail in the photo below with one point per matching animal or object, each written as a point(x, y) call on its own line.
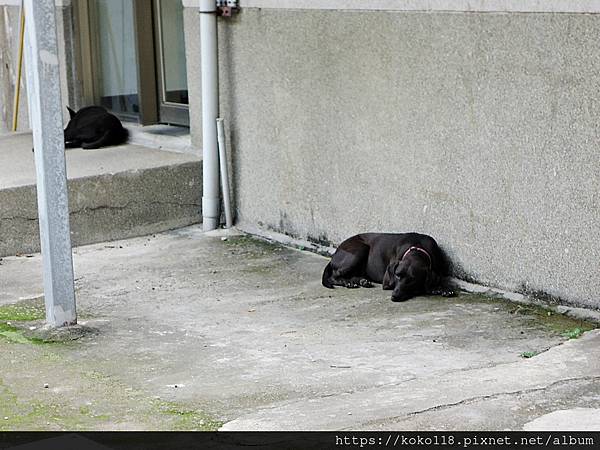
point(326, 280)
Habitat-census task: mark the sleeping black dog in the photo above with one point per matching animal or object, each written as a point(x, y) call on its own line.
point(409, 264)
point(94, 127)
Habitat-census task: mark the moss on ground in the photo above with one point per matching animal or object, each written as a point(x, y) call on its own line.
point(23, 323)
point(186, 419)
point(13, 334)
point(250, 241)
point(540, 316)
point(567, 327)
point(23, 311)
point(52, 413)
point(58, 413)
point(36, 415)
point(22, 335)
point(251, 247)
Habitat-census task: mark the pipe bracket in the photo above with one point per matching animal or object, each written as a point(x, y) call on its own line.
point(226, 8)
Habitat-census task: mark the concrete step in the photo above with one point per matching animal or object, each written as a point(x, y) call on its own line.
point(114, 193)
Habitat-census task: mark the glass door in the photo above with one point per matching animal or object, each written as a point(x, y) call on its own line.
point(137, 64)
point(115, 56)
point(171, 63)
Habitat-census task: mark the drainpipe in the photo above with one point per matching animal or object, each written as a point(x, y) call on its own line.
point(224, 173)
point(210, 112)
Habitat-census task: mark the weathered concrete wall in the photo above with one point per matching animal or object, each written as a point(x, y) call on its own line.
point(9, 46)
point(68, 47)
point(107, 207)
point(191, 24)
point(479, 129)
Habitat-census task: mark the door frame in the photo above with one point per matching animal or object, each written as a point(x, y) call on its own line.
point(168, 112)
point(145, 58)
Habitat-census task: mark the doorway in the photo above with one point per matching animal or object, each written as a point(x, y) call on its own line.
point(171, 63)
point(133, 54)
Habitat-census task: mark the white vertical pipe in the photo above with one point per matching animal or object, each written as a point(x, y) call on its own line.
point(45, 112)
point(224, 173)
point(210, 112)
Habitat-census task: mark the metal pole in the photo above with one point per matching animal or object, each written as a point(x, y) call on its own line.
point(210, 112)
point(45, 111)
point(224, 173)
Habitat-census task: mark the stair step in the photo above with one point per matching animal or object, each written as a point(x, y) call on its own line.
point(114, 193)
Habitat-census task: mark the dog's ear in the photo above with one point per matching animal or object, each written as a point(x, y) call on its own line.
point(389, 280)
point(71, 112)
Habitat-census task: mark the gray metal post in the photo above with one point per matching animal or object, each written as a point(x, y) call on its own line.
point(45, 111)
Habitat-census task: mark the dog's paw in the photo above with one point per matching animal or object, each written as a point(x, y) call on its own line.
point(365, 283)
point(449, 293)
point(351, 285)
point(445, 292)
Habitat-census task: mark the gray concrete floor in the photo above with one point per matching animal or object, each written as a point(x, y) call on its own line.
point(191, 331)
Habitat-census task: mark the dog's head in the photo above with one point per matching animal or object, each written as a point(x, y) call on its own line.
point(71, 130)
point(85, 123)
point(407, 277)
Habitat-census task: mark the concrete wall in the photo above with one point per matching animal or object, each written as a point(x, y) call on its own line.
point(191, 25)
point(68, 55)
point(9, 45)
point(479, 129)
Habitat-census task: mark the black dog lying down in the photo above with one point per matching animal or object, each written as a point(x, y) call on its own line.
point(409, 263)
point(94, 127)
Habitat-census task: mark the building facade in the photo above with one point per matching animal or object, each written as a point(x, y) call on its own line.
point(476, 122)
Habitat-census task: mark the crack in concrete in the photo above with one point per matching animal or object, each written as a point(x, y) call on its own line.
point(30, 219)
point(408, 380)
point(399, 383)
point(479, 398)
point(129, 204)
point(101, 207)
point(359, 391)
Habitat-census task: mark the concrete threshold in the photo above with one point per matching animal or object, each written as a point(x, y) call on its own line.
point(201, 331)
point(114, 193)
point(162, 137)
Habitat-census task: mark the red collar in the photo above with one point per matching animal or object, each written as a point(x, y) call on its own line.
point(419, 249)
